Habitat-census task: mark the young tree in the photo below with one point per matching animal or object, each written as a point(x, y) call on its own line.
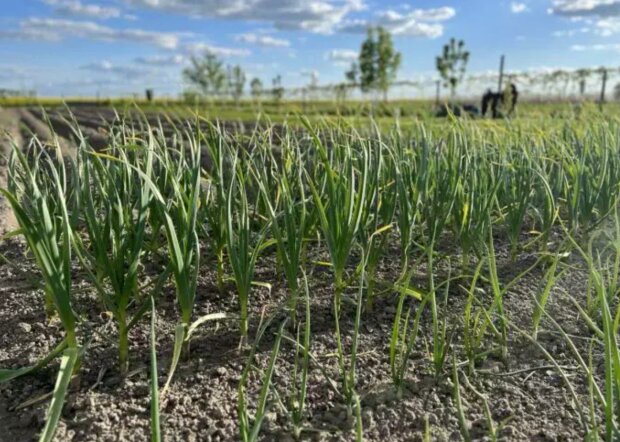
point(206, 74)
point(581, 76)
point(378, 62)
point(367, 65)
point(388, 61)
point(452, 64)
point(256, 88)
point(342, 89)
point(351, 74)
point(277, 91)
point(236, 82)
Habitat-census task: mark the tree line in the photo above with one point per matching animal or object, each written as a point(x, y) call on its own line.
point(373, 73)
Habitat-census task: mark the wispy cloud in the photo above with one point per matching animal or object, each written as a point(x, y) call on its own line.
point(602, 17)
point(414, 23)
point(571, 32)
point(263, 40)
point(518, 8)
point(222, 51)
point(615, 47)
point(582, 8)
point(125, 71)
point(341, 57)
point(314, 16)
point(162, 60)
point(51, 29)
point(75, 8)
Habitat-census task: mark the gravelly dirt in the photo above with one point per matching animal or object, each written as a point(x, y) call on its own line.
point(532, 402)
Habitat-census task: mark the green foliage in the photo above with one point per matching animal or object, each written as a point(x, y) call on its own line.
point(204, 200)
point(378, 62)
point(256, 88)
point(236, 82)
point(277, 91)
point(387, 61)
point(207, 74)
point(115, 211)
point(452, 64)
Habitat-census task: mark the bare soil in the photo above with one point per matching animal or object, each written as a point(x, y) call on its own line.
point(526, 393)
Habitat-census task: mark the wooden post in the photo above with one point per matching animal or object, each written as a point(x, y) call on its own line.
point(603, 86)
point(501, 75)
point(438, 93)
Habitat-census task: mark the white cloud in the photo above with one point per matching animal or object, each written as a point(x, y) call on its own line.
point(342, 58)
point(518, 8)
point(50, 29)
point(216, 50)
point(125, 71)
point(582, 8)
point(263, 40)
point(415, 23)
point(77, 8)
point(571, 32)
point(602, 17)
point(347, 55)
point(596, 47)
point(315, 16)
point(163, 61)
point(607, 26)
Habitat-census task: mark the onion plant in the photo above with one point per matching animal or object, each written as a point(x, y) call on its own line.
point(288, 213)
point(154, 382)
point(438, 177)
point(404, 333)
point(474, 199)
point(514, 194)
point(295, 400)
point(498, 297)
point(543, 205)
point(249, 431)
point(593, 178)
point(549, 280)
point(378, 219)
point(36, 193)
point(115, 212)
point(213, 205)
point(408, 195)
point(179, 210)
point(340, 198)
point(244, 244)
point(610, 325)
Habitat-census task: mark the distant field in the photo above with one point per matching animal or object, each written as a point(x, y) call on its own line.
point(405, 110)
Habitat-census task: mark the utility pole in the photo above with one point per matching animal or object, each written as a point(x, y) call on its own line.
point(501, 75)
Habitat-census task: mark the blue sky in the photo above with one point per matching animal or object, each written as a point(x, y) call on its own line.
point(116, 47)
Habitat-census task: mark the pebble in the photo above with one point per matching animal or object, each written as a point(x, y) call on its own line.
point(508, 431)
point(23, 326)
point(432, 419)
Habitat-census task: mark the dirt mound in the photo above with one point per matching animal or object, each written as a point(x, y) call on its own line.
point(9, 133)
